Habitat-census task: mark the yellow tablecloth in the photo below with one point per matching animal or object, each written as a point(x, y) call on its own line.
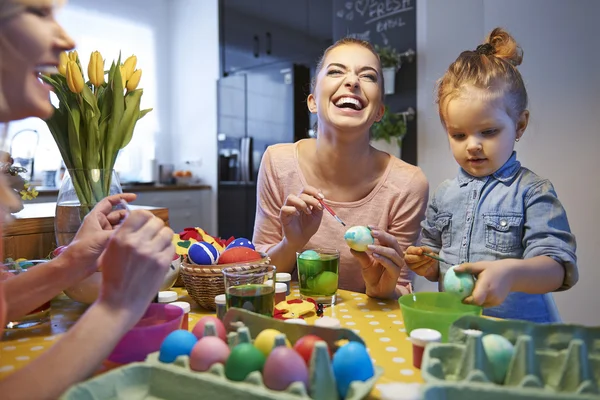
point(378, 322)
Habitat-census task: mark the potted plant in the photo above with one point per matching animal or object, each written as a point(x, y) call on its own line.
point(390, 63)
point(387, 134)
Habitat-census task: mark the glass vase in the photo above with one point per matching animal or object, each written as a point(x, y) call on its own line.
point(79, 192)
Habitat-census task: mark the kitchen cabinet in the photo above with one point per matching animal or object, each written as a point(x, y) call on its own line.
point(260, 32)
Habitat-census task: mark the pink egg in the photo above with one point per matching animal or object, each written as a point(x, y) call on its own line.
point(208, 351)
point(283, 367)
point(198, 330)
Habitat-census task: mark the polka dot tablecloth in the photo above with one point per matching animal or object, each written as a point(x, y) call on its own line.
point(378, 322)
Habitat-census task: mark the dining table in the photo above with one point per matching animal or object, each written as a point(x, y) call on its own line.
point(377, 321)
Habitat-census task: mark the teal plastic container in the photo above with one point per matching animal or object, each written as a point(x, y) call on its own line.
point(434, 310)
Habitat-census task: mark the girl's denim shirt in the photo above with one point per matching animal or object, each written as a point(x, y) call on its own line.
point(512, 213)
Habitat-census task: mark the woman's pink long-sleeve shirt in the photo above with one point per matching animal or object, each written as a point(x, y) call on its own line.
point(397, 204)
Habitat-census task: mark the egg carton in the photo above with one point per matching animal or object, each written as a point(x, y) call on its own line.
point(155, 380)
point(550, 361)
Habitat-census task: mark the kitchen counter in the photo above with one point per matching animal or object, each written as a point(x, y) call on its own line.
point(31, 234)
point(53, 191)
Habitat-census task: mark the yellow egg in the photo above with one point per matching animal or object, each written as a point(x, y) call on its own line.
point(265, 341)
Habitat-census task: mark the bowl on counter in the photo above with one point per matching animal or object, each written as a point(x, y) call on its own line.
point(434, 310)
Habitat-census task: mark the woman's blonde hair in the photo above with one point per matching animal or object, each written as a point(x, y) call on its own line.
point(491, 67)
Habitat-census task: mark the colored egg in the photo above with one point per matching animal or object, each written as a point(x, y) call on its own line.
point(309, 255)
point(203, 253)
point(459, 283)
point(243, 359)
point(177, 343)
point(208, 351)
point(358, 238)
point(499, 351)
point(283, 367)
point(265, 341)
point(241, 242)
point(351, 362)
point(326, 283)
point(198, 329)
point(305, 346)
point(239, 254)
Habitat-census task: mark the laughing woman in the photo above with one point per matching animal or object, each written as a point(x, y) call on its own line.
point(363, 185)
point(31, 40)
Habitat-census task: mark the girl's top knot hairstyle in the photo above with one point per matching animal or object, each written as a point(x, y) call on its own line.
point(491, 67)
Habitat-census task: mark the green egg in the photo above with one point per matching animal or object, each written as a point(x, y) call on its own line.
point(499, 351)
point(309, 255)
point(310, 282)
point(461, 283)
point(326, 283)
point(243, 359)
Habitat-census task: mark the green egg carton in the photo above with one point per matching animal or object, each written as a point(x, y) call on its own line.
point(550, 361)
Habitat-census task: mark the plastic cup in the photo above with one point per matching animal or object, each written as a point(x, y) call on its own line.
point(420, 338)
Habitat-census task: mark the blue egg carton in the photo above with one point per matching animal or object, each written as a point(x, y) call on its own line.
point(550, 361)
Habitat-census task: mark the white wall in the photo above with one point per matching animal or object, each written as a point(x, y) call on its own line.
point(194, 60)
point(560, 68)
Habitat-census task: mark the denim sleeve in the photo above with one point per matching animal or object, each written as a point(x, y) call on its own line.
point(547, 232)
point(430, 235)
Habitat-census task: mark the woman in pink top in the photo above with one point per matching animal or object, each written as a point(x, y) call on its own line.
point(363, 185)
point(30, 42)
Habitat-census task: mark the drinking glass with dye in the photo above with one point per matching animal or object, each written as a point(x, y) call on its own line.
point(318, 274)
point(251, 287)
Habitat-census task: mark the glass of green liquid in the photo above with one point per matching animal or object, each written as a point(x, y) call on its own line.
point(251, 287)
point(318, 271)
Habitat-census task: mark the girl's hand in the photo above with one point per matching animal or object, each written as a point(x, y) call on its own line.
point(381, 264)
point(493, 284)
point(420, 264)
point(301, 216)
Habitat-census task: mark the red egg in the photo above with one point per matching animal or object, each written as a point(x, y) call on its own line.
point(198, 330)
point(305, 346)
point(208, 351)
point(238, 254)
point(283, 367)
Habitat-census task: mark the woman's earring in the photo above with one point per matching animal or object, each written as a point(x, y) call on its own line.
point(517, 139)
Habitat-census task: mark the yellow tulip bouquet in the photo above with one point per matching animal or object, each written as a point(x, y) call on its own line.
point(94, 119)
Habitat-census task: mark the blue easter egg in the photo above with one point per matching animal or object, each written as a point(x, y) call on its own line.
point(459, 283)
point(309, 255)
point(351, 362)
point(177, 343)
point(203, 253)
point(241, 242)
point(358, 238)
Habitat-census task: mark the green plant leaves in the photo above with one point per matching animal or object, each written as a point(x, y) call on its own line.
point(391, 126)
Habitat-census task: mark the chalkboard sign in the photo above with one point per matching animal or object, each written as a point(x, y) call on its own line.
point(386, 23)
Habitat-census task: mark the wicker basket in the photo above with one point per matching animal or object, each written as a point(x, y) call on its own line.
point(204, 282)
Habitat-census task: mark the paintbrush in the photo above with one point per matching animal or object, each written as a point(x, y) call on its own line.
point(438, 258)
point(127, 208)
point(333, 214)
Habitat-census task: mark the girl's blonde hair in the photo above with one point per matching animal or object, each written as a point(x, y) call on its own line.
point(491, 67)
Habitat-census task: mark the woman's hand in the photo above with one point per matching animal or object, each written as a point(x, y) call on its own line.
point(381, 264)
point(420, 264)
point(135, 262)
point(91, 238)
point(301, 216)
point(493, 284)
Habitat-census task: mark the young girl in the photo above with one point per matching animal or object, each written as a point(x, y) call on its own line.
point(499, 220)
point(363, 185)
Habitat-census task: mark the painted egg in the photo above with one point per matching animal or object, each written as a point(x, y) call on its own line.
point(177, 343)
point(203, 253)
point(208, 351)
point(326, 283)
point(458, 283)
point(305, 346)
point(241, 242)
point(358, 238)
point(265, 341)
point(499, 351)
point(243, 359)
point(198, 330)
point(309, 255)
point(239, 254)
point(351, 362)
point(283, 367)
